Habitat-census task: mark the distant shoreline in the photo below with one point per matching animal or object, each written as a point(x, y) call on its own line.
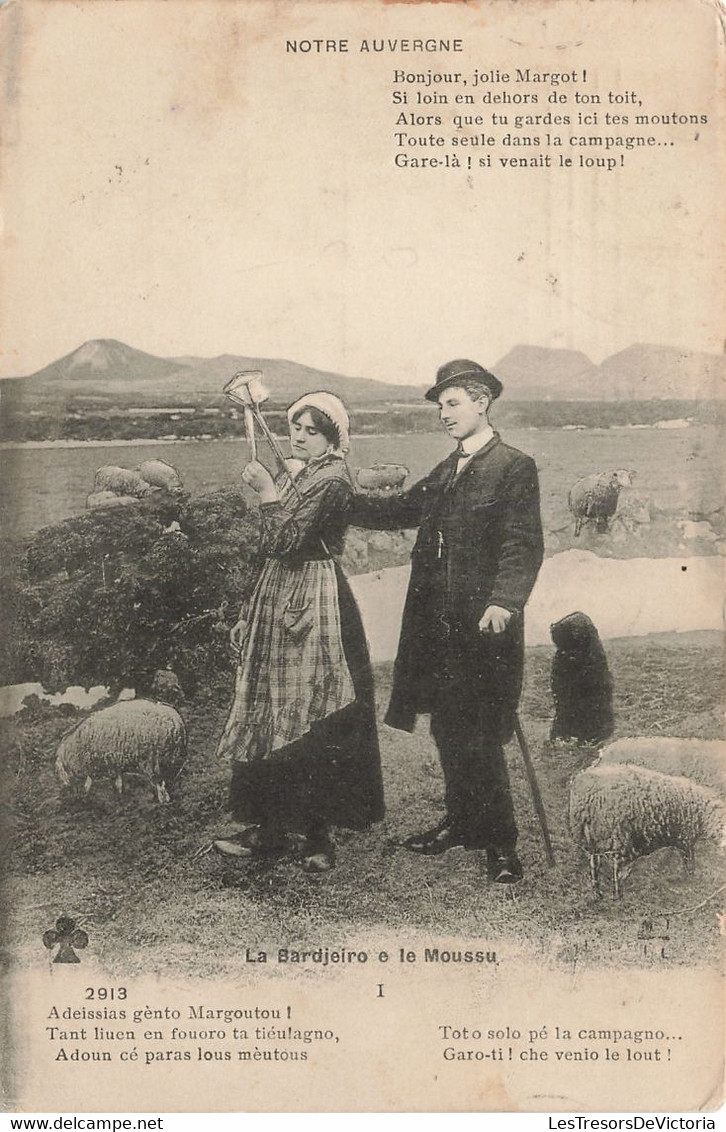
point(6, 445)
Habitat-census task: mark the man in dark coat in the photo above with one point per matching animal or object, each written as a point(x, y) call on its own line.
point(461, 651)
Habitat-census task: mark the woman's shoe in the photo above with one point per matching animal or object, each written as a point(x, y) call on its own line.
point(233, 849)
point(319, 852)
point(318, 863)
point(252, 842)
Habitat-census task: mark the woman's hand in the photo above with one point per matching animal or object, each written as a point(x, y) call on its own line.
point(259, 479)
point(294, 466)
point(236, 637)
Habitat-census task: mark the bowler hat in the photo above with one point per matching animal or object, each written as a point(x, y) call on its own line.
point(460, 371)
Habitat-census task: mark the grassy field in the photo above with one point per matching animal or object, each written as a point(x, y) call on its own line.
point(140, 879)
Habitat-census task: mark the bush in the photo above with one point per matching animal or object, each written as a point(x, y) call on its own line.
point(110, 596)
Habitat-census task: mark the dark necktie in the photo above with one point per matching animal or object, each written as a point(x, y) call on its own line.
point(460, 453)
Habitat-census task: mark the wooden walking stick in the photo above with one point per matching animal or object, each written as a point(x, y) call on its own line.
point(534, 787)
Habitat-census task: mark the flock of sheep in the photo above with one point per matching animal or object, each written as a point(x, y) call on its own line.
point(638, 796)
point(115, 486)
point(641, 794)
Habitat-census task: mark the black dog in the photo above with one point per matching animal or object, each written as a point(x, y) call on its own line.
point(581, 684)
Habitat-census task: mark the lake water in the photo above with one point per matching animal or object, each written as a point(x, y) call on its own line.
point(678, 469)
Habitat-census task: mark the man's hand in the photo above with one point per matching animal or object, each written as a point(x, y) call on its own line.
point(495, 619)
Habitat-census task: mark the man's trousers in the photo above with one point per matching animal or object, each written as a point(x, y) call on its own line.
point(467, 734)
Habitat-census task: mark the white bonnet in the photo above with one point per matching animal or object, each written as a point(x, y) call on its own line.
point(332, 407)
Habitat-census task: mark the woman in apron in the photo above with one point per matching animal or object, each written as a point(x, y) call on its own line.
point(301, 733)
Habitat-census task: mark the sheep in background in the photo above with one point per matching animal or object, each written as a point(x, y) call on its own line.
point(627, 812)
point(594, 498)
point(159, 474)
point(141, 736)
point(634, 515)
point(121, 481)
point(108, 499)
point(692, 530)
point(382, 478)
point(580, 680)
point(703, 760)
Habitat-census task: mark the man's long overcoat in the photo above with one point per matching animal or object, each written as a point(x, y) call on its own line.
point(479, 544)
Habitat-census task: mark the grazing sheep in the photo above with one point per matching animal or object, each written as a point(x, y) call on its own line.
point(382, 477)
point(595, 498)
point(627, 812)
point(108, 499)
point(121, 481)
point(141, 736)
point(635, 513)
point(160, 474)
point(580, 680)
point(703, 760)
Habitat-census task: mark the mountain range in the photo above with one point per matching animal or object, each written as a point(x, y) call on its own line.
point(108, 368)
point(105, 366)
point(640, 373)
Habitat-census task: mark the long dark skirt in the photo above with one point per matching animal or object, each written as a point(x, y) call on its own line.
point(332, 775)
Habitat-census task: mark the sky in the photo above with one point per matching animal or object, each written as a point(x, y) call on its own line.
point(175, 179)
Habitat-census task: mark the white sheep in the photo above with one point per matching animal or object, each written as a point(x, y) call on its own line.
point(703, 760)
point(634, 512)
point(140, 736)
point(382, 478)
point(121, 481)
point(108, 499)
point(692, 531)
point(594, 498)
point(160, 474)
point(627, 812)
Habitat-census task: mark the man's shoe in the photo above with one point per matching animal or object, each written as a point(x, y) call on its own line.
point(433, 841)
point(504, 867)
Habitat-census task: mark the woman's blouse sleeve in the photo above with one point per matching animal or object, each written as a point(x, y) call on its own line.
point(287, 528)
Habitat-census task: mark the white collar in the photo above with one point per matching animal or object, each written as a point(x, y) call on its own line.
point(475, 442)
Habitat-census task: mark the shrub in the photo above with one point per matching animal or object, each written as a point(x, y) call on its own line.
point(110, 596)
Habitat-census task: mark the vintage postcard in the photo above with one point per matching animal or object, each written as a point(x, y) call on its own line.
point(363, 532)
